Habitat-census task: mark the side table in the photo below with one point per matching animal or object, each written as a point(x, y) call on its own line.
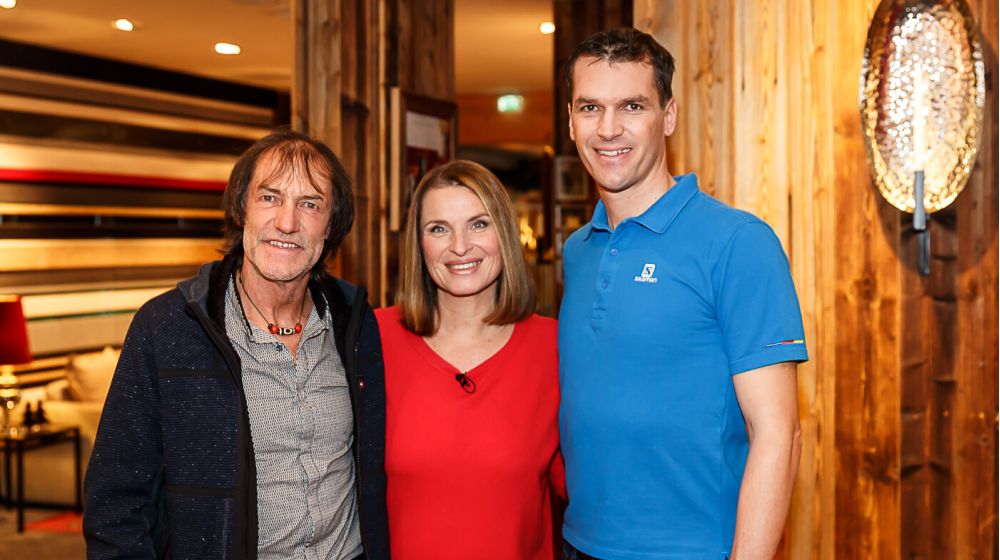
point(19, 440)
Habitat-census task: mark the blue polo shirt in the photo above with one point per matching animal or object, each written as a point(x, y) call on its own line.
point(656, 317)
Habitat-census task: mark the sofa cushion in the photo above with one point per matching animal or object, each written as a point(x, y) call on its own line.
point(90, 374)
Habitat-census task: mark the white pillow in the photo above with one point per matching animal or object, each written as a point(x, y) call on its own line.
point(58, 390)
point(90, 374)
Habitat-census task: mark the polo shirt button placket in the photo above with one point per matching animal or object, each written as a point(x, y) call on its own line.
point(614, 252)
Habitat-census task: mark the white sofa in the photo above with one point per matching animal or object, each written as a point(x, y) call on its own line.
point(75, 400)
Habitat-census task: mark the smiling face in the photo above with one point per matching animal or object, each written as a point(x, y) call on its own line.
point(459, 241)
point(618, 124)
point(287, 220)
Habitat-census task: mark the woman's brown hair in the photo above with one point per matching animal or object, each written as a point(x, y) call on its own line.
point(417, 294)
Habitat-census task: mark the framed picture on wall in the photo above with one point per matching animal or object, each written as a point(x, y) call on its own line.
point(422, 136)
point(570, 179)
point(570, 217)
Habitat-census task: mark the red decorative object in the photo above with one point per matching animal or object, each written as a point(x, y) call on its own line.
point(87, 178)
point(13, 332)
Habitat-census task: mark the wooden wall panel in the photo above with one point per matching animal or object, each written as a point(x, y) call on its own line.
point(703, 89)
point(759, 109)
point(867, 322)
point(361, 122)
point(898, 401)
point(337, 97)
point(575, 21)
point(426, 47)
point(811, 162)
point(317, 82)
point(974, 417)
point(317, 73)
point(419, 48)
point(667, 20)
point(736, 78)
point(20, 255)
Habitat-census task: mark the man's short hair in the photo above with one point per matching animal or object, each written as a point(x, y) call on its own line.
point(417, 295)
point(625, 44)
point(292, 152)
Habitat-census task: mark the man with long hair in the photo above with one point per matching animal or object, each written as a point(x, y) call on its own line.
point(246, 418)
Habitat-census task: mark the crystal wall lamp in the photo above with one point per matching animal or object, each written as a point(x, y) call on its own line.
point(922, 98)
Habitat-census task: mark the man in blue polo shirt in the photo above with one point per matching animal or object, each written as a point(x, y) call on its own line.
point(678, 337)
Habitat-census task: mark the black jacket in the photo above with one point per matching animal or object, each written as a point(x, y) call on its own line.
point(172, 474)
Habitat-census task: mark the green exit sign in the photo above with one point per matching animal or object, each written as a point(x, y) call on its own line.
point(510, 104)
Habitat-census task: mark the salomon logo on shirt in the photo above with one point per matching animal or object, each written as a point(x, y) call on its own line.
point(647, 274)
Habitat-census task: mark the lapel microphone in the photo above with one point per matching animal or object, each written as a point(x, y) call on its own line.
point(468, 385)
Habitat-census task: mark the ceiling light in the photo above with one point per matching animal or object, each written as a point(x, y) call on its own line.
point(8, 4)
point(123, 25)
point(510, 104)
point(227, 48)
point(547, 28)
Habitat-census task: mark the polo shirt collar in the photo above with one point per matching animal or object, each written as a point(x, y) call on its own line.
point(658, 217)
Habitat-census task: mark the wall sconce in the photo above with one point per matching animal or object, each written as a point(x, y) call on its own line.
point(922, 97)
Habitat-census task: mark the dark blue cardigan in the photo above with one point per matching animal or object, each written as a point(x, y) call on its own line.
point(172, 474)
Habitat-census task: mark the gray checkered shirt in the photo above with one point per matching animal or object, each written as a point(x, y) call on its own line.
point(302, 428)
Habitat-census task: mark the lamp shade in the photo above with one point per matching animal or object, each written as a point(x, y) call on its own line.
point(13, 332)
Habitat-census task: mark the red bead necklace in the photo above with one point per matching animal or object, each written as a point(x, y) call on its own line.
point(271, 327)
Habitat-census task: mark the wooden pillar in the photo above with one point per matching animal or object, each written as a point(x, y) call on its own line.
point(973, 415)
point(576, 20)
point(424, 54)
point(338, 97)
point(420, 60)
point(316, 75)
point(867, 314)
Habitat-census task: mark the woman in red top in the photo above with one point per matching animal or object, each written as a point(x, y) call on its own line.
point(472, 392)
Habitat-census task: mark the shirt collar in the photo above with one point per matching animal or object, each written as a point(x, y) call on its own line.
point(658, 217)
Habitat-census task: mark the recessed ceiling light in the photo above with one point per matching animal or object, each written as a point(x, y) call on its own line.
point(547, 28)
point(227, 48)
point(8, 4)
point(123, 25)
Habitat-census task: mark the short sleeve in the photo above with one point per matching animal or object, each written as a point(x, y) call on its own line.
point(757, 308)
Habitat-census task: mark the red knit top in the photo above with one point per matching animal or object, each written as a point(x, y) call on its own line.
point(469, 474)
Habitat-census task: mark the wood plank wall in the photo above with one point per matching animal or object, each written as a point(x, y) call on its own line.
point(425, 53)
point(420, 58)
point(575, 21)
point(899, 400)
point(347, 53)
point(973, 429)
point(338, 95)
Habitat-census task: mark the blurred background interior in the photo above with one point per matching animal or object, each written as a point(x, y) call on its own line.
point(120, 121)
